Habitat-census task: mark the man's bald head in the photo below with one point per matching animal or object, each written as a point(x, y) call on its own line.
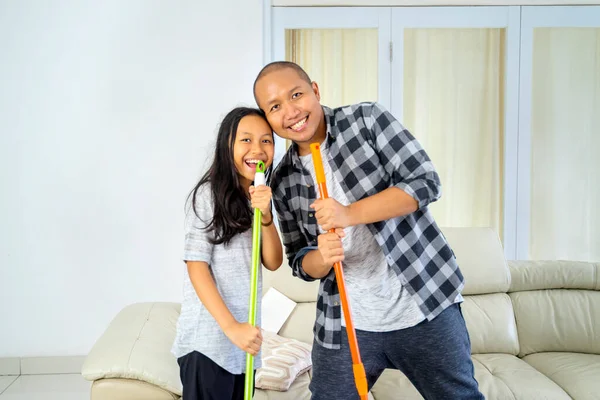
point(276, 66)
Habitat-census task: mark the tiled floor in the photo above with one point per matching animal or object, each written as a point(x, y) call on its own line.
point(44, 387)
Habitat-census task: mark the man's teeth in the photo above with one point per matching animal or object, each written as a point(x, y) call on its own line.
point(298, 124)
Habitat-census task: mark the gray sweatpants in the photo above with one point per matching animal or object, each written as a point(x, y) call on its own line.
point(434, 355)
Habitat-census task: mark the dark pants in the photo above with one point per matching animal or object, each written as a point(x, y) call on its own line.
point(434, 355)
point(203, 379)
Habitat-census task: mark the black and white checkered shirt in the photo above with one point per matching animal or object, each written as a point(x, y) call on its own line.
point(369, 152)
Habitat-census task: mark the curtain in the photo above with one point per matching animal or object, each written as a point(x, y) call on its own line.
point(453, 104)
point(343, 62)
point(565, 144)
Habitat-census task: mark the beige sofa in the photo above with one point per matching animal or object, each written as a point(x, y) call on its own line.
point(534, 329)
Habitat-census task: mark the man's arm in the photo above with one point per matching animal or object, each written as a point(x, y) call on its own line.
point(414, 181)
point(391, 203)
point(318, 263)
point(403, 157)
point(293, 240)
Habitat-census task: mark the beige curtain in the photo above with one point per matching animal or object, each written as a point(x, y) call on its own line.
point(565, 144)
point(343, 62)
point(453, 103)
point(453, 93)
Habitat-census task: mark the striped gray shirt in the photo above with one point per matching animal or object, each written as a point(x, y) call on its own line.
point(230, 267)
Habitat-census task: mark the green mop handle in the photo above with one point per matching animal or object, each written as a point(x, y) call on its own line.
point(259, 179)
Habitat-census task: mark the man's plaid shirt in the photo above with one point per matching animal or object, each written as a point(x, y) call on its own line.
point(370, 151)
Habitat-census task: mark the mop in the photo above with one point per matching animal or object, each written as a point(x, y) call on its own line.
point(360, 377)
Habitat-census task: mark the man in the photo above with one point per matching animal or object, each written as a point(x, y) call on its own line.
point(402, 278)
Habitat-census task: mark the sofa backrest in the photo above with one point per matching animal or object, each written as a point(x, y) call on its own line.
point(557, 306)
point(487, 308)
point(481, 259)
point(300, 323)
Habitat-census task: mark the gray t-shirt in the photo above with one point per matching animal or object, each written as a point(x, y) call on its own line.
point(378, 301)
point(230, 267)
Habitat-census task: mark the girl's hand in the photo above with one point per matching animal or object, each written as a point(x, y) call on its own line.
point(260, 197)
point(245, 336)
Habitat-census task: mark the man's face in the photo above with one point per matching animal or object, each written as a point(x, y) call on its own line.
point(291, 105)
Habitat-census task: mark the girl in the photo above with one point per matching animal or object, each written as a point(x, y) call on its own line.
point(212, 337)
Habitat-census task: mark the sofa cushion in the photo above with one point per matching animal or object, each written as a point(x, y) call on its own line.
point(500, 376)
point(557, 320)
point(283, 360)
point(297, 391)
point(481, 259)
point(535, 275)
point(491, 323)
point(137, 345)
point(577, 374)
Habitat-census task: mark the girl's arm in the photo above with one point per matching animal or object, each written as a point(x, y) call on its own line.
point(271, 249)
point(243, 335)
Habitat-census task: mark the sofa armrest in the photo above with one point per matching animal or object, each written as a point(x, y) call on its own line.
point(136, 345)
point(128, 389)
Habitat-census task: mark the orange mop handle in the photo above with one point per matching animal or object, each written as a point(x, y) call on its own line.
point(360, 376)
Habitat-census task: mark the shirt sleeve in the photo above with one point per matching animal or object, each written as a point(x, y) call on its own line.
point(403, 157)
point(197, 245)
point(293, 240)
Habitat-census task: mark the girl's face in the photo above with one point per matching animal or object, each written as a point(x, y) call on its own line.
point(253, 143)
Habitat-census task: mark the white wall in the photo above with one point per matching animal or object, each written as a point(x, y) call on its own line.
point(108, 111)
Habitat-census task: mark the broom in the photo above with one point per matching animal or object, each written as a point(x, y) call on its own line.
point(259, 179)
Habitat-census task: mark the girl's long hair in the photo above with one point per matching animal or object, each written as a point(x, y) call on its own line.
point(232, 213)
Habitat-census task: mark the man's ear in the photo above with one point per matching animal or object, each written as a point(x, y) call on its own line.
point(315, 89)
